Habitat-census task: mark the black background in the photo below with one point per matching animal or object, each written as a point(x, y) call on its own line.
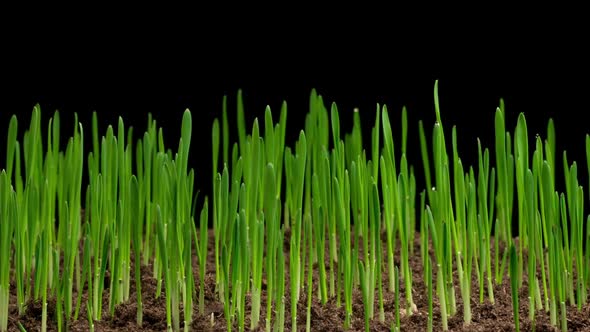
point(82, 67)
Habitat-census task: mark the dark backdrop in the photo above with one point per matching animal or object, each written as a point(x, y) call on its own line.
point(541, 74)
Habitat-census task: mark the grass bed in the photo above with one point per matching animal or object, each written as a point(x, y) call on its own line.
point(319, 235)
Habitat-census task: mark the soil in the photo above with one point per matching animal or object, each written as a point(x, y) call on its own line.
point(328, 317)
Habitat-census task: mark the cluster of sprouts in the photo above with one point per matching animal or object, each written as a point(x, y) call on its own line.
point(325, 206)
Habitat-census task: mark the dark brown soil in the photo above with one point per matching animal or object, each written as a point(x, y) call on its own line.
point(329, 317)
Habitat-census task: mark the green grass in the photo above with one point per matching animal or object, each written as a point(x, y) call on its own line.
point(328, 195)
